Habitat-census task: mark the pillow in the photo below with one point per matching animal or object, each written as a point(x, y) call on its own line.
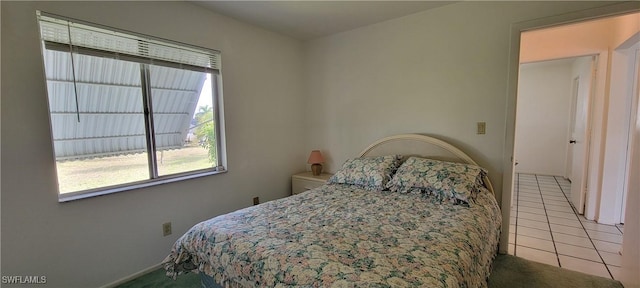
point(446, 181)
point(372, 173)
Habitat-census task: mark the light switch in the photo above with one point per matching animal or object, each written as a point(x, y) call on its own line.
point(482, 128)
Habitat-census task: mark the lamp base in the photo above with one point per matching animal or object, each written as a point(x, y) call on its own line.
point(316, 169)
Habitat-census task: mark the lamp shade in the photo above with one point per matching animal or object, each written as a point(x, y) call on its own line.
point(315, 157)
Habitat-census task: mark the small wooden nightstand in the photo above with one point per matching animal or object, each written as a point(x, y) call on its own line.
point(306, 181)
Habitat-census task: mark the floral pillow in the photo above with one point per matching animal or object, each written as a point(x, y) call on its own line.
point(372, 173)
point(446, 181)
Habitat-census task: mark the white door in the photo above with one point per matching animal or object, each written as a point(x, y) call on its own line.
point(572, 126)
point(580, 137)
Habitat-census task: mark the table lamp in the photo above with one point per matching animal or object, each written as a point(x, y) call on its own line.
point(315, 159)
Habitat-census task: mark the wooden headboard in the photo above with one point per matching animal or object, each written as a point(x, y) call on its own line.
point(422, 146)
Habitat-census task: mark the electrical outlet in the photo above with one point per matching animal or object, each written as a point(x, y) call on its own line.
point(256, 200)
point(166, 229)
point(482, 127)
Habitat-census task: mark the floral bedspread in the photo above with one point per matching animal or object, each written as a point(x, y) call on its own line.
point(343, 236)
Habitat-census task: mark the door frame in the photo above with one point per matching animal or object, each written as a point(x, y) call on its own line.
point(512, 91)
point(634, 60)
point(616, 150)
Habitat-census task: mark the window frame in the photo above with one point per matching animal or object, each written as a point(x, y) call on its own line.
point(146, 87)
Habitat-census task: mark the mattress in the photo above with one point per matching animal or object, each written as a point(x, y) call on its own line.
point(341, 235)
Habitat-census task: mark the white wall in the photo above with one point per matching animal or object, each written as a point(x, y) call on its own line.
point(92, 242)
point(578, 39)
point(543, 112)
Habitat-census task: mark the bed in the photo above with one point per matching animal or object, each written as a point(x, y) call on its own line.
point(410, 211)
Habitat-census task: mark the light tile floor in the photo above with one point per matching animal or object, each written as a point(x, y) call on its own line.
point(545, 228)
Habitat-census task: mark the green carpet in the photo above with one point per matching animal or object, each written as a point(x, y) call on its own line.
point(157, 279)
point(513, 272)
point(508, 271)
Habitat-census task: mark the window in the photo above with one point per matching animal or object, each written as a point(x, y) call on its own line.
point(128, 110)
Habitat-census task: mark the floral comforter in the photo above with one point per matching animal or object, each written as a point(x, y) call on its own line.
point(343, 236)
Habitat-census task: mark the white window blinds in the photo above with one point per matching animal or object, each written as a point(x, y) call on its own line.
point(60, 34)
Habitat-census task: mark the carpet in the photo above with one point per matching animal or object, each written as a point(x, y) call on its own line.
point(508, 271)
point(513, 272)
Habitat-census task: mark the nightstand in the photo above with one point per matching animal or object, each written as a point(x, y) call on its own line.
point(306, 181)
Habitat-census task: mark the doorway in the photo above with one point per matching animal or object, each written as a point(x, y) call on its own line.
point(596, 80)
point(630, 259)
point(596, 151)
point(552, 122)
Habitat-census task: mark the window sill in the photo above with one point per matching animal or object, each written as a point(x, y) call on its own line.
point(72, 196)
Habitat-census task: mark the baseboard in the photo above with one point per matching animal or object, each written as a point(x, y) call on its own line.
point(132, 276)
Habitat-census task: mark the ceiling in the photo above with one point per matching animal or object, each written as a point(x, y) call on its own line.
point(305, 20)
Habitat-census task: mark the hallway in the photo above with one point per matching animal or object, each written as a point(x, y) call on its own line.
point(545, 228)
